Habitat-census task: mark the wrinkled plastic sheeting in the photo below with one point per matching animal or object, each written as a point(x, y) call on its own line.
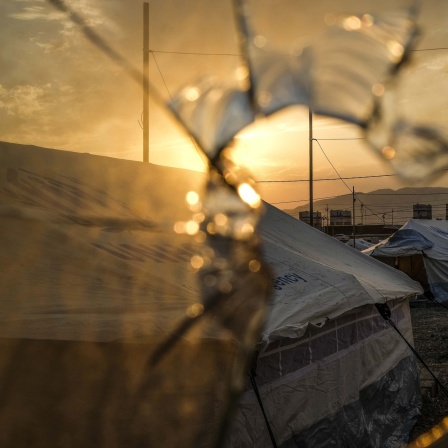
point(117, 327)
point(383, 417)
point(412, 236)
point(402, 242)
point(437, 276)
point(359, 244)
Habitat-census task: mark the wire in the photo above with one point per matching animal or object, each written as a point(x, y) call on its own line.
point(354, 138)
point(199, 53)
point(303, 200)
point(355, 196)
point(340, 178)
point(431, 49)
point(195, 53)
point(201, 156)
point(327, 179)
point(161, 75)
point(384, 310)
point(329, 161)
point(257, 394)
point(405, 194)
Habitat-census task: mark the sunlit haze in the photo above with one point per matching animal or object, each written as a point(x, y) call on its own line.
point(58, 91)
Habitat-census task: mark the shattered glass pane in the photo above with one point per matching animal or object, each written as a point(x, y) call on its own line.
point(417, 153)
point(353, 61)
point(337, 74)
point(340, 74)
point(212, 113)
point(405, 131)
point(139, 320)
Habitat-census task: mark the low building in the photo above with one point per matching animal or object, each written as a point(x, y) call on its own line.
point(422, 211)
point(317, 218)
point(340, 218)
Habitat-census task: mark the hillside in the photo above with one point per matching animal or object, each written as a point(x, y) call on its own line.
point(384, 205)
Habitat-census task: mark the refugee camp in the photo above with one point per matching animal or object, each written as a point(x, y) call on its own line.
point(223, 224)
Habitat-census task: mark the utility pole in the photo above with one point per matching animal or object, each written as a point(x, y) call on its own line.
point(145, 119)
point(310, 116)
point(354, 224)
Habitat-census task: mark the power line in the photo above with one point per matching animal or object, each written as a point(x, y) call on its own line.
point(326, 179)
point(431, 49)
point(329, 161)
point(195, 53)
point(348, 138)
point(355, 197)
point(200, 53)
point(368, 208)
point(169, 93)
point(302, 200)
point(404, 194)
point(342, 179)
point(397, 208)
point(161, 75)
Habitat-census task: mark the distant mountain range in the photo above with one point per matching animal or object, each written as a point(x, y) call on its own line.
point(383, 206)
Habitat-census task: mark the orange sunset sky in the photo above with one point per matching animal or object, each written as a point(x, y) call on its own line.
point(59, 91)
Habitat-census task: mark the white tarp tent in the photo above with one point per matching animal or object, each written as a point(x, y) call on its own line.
point(93, 278)
point(331, 371)
point(360, 243)
point(424, 243)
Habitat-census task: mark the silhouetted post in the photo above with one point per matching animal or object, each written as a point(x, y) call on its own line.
point(145, 119)
point(354, 224)
point(311, 167)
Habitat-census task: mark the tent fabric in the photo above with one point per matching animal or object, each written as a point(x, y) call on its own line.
point(401, 243)
point(329, 277)
point(93, 280)
point(428, 238)
point(360, 244)
point(324, 344)
point(353, 385)
point(385, 403)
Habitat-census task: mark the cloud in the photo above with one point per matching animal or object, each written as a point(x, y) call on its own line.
point(439, 63)
point(39, 10)
point(37, 13)
point(21, 100)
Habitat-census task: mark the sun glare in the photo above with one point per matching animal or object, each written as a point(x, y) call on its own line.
point(249, 195)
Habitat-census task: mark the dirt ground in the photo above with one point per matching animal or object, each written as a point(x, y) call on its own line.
point(430, 326)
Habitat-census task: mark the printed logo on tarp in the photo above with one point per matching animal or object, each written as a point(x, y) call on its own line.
point(439, 231)
point(287, 279)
